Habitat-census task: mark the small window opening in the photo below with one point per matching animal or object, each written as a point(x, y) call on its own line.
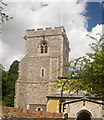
point(42, 72)
point(41, 49)
point(45, 49)
point(39, 109)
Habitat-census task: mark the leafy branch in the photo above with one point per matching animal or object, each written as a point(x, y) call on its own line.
point(90, 70)
point(3, 16)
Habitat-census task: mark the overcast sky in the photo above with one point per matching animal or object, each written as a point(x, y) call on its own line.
point(74, 16)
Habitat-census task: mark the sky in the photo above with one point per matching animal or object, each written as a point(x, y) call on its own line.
point(78, 19)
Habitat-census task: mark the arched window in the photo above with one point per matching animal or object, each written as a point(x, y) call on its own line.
point(42, 72)
point(44, 47)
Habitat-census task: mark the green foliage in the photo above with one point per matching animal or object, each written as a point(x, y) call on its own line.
point(14, 68)
point(8, 84)
point(90, 71)
point(1, 69)
point(7, 79)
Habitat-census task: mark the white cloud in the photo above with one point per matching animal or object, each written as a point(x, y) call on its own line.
point(33, 15)
point(80, 42)
point(97, 29)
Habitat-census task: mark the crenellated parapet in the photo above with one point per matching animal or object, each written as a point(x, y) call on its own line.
point(45, 32)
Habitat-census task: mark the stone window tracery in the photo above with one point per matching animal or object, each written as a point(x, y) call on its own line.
point(44, 47)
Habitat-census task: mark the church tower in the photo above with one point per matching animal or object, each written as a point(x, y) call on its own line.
point(45, 52)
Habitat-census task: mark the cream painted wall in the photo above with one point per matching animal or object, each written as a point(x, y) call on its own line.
point(53, 106)
point(74, 109)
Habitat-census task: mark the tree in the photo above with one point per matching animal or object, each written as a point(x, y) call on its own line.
point(14, 67)
point(4, 81)
point(8, 84)
point(89, 69)
point(2, 77)
point(3, 16)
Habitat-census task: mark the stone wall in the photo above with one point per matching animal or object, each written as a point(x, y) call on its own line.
point(10, 112)
point(31, 87)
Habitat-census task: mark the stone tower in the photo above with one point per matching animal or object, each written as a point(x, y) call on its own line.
point(45, 52)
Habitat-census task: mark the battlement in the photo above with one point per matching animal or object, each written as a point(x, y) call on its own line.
point(45, 32)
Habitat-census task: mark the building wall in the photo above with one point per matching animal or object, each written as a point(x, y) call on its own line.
point(53, 105)
point(74, 109)
point(66, 54)
point(93, 109)
point(31, 87)
point(39, 107)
